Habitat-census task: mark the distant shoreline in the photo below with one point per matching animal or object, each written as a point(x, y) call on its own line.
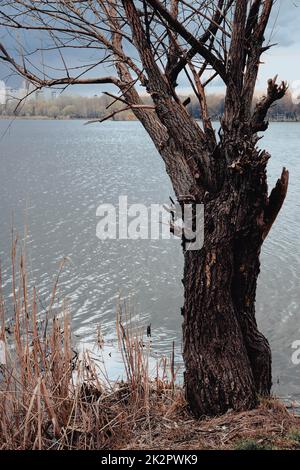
point(41, 118)
point(66, 118)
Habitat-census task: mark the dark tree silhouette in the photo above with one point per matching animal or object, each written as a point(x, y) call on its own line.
point(149, 44)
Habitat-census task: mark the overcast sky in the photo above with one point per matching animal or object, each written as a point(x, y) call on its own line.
point(283, 59)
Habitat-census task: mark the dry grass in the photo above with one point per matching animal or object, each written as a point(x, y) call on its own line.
point(51, 398)
point(270, 426)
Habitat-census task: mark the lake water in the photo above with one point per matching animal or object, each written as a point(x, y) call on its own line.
point(54, 175)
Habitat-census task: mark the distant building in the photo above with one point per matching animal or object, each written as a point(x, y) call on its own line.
point(2, 92)
point(39, 95)
point(11, 93)
point(8, 93)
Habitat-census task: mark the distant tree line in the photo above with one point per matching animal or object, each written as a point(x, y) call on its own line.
point(65, 107)
point(97, 107)
point(284, 110)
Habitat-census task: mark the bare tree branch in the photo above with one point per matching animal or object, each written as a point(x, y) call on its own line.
point(192, 41)
point(275, 92)
point(276, 201)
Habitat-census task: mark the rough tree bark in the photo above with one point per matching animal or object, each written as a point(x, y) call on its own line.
point(227, 359)
point(222, 344)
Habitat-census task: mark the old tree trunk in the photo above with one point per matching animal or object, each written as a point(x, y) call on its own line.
point(228, 361)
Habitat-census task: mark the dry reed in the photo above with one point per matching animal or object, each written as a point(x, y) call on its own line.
point(53, 398)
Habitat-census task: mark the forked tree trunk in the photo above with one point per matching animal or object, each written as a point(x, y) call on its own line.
point(227, 360)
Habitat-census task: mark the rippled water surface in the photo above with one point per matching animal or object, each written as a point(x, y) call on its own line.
point(53, 176)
